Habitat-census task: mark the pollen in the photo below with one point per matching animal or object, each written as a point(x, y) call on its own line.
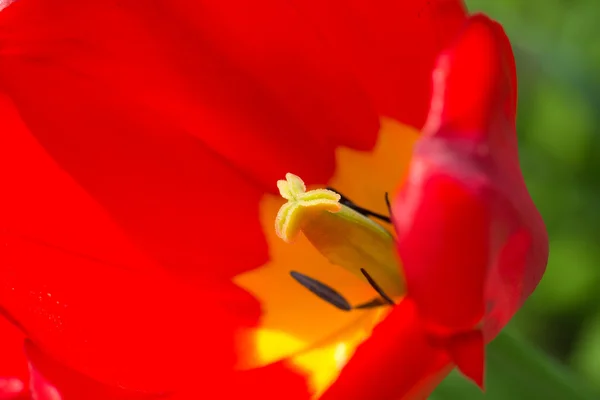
point(345, 234)
point(301, 205)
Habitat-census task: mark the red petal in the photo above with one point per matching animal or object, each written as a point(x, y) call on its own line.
point(51, 379)
point(13, 389)
point(467, 352)
point(13, 364)
point(390, 45)
point(133, 123)
point(443, 243)
point(90, 315)
point(59, 241)
point(397, 362)
point(471, 239)
point(76, 284)
point(252, 81)
point(72, 385)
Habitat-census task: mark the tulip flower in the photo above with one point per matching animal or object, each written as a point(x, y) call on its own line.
point(266, 199)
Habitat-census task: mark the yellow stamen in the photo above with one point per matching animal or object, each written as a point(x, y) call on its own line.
point(345, 237)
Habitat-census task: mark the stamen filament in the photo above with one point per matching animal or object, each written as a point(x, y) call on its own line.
point(377, 302)
point(345, 235)
point(377, 287)
point(349, 203)
point(388, 204)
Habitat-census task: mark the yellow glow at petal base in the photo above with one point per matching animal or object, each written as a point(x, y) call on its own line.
point(324, 363)
point(315, 337)
point(321, 363)
point(274, 344)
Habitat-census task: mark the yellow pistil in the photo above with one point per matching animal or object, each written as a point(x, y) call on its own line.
point(345, 237)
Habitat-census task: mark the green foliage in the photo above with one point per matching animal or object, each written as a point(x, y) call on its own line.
point(557, 47)
point(515, 371)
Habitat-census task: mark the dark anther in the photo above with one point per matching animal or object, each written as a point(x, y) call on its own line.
point(367, 213)
point(322, 290)
point(375, 286)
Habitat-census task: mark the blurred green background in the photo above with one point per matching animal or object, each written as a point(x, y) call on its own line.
point(557, 47)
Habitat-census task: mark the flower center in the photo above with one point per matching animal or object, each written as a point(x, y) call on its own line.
point(310, 335)
point(345, 235)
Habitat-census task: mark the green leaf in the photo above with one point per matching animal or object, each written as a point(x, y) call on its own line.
point(516, 370)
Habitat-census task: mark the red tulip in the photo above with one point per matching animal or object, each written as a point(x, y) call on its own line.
point(141, 143)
